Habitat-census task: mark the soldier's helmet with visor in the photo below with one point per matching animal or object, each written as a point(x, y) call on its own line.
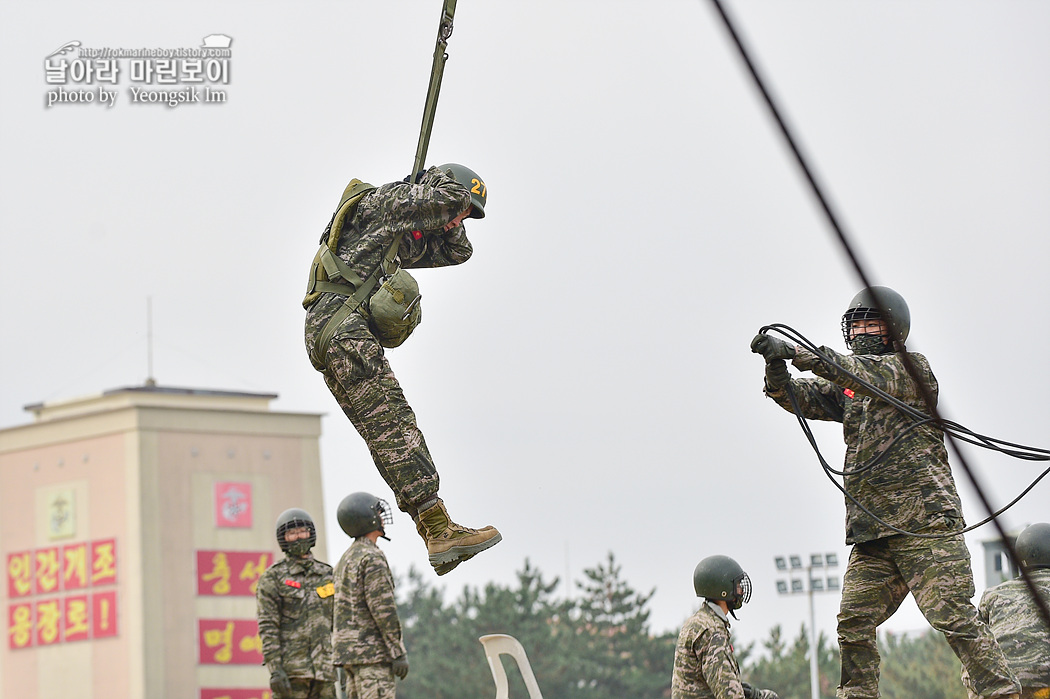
point(479, 193)
point(363, 513)
point(865, 306)
point(1033, 547)
point(721, 578)
point(293, 519)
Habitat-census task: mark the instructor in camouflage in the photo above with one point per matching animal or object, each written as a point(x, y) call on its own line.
point(704, 664)
point(294, 607)
point(428, 216)
point(1013, 617)
point(898, 470)
point(366, 632)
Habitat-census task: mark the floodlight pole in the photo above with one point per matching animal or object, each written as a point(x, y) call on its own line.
point(831, 562)
point(814, 676)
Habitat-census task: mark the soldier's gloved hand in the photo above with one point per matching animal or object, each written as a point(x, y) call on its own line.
point(751, 692)
point(772, 347)
point(777, 375)
point(419, 176)
point(279, 682)
point(400, 667)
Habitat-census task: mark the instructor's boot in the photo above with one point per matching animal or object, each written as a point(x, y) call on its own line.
point(448, 543)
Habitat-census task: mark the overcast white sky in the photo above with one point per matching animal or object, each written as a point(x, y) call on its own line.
point(584, 381)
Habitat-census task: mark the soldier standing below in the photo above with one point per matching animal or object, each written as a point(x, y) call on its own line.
point(898, 471)
point(704, 664)
point(407, 225)
point(1014, 619)
point(366, 631)
point(294, 606)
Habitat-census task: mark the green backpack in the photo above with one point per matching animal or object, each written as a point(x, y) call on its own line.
point(393, 311)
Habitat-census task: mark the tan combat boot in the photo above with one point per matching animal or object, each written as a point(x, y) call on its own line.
point(448, 543)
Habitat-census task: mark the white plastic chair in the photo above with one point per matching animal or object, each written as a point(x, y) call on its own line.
point(498, 643)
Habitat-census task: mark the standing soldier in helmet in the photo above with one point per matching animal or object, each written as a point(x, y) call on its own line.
point(897, 478)
point(294, 606)
point(360, 300)
point(366, 632)
point(1013, 617)
point(704, 664)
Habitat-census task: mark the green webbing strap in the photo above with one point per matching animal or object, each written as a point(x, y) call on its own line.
point(362, 291)
point(448, 10)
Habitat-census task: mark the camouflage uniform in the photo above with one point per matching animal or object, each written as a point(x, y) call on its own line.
point(1014, 619)
point(295, 598)
point(704, 664)
point(366, 635)
point(912, 488)
point(355, 367)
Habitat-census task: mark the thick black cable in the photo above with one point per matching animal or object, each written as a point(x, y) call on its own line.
point(909, 365)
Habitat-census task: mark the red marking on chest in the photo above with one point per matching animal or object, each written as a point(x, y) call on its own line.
point(416, 235)
point(848, 392)
point(293, 583)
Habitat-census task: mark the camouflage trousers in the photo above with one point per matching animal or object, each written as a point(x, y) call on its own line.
point(369, 682)
point(362, 382)
point(308, 689)
point(880, 574)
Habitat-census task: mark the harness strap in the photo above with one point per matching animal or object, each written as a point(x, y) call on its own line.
point(355, 302)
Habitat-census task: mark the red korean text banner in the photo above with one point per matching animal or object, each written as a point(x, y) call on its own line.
point(230, 573)
point(68, 619)
point(229, 642)
point(62, 568)
point(236, 694)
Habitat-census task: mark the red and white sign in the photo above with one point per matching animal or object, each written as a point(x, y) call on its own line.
point(233, 504)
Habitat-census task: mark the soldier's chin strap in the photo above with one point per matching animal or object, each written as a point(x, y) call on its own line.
point(919, 418)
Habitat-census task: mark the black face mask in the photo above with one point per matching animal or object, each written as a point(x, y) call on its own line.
point(869, 344)
point(299, 547)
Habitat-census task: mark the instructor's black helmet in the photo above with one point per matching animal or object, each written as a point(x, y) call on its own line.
point(363, 513)
point(1033, 547)
point(479, 193)
point(865, 306)
point(293, 519)
point(721, 578)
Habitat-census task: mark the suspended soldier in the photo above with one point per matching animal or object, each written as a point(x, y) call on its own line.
point(360, 300)
point(704, 664)
point(897, 470)
point(366, 632)
point(1014, 619)
point(294, 601)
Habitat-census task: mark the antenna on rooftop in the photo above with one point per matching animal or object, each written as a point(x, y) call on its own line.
point(150, 381)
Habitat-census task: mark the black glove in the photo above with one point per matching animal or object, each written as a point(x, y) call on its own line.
point(279, 682)
point(749, 691)
point(419, 175)
point(772, 348)
point(400, 666)
point(777, 375)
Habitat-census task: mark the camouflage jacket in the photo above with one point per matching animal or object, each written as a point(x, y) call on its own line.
point(704, 664)
point(295, 598)
point(366, 629)
point(420, 211)
point(1012, 616)
point(911, 486)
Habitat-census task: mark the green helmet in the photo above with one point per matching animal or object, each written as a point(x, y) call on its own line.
point(1033, 547)
point(293, 519)
point(865, 306)
point(363, 513)
point(479, 194)
point(721, 578)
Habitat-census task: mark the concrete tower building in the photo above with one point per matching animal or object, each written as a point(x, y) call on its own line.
point(133, 527)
